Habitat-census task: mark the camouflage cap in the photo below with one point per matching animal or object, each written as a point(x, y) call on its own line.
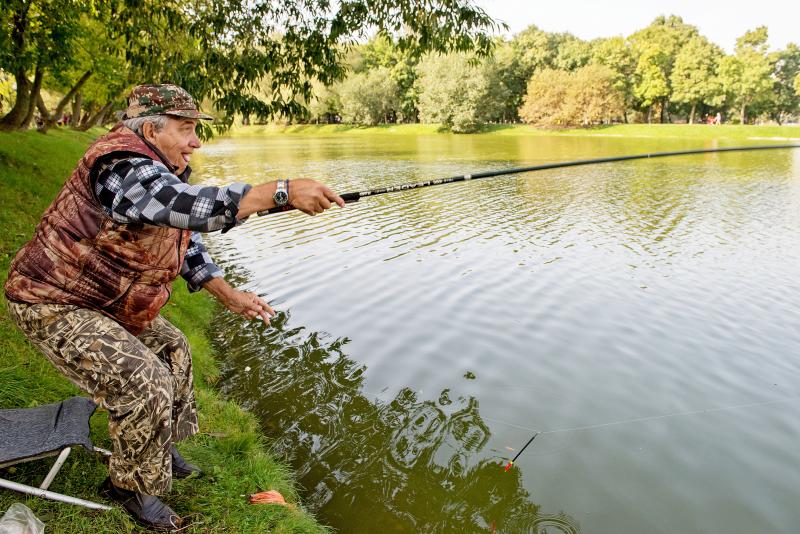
point(162, 99)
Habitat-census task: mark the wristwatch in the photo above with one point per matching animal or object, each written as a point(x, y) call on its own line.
point(281, 196)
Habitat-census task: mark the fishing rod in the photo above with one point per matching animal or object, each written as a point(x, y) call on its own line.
point(355, 196)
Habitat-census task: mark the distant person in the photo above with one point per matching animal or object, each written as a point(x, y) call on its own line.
point(87, 290)
point(718, 118)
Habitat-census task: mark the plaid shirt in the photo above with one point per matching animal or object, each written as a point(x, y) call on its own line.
point(143, 190)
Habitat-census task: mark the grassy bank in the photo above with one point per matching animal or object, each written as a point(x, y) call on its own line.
point(229, 446)
point(692, 131)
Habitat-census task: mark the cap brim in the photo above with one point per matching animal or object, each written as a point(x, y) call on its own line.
point(190, 114)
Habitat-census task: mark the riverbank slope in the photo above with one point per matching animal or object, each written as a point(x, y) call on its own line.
point(229, 447)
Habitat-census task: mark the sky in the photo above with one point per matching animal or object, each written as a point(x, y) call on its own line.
point(720, 21)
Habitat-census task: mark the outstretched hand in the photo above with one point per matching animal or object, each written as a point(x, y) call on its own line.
point(312, 197)
point(248, 305)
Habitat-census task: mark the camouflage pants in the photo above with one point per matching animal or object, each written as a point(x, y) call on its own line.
point(144, 382)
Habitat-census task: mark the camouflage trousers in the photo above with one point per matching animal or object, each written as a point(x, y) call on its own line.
point(144, 382)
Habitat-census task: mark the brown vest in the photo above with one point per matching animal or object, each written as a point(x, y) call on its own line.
point(79, 255)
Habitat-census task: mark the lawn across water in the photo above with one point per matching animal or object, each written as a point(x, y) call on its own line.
point(790, 133)
point(229, 446)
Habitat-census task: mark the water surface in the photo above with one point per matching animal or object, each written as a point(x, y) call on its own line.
point(424, 336)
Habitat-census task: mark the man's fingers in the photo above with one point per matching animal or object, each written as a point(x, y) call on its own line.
point(333, 197)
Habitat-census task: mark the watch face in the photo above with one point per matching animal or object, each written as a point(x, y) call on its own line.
point(281, 198)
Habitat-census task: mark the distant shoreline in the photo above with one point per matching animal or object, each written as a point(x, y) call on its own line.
point(788, 133)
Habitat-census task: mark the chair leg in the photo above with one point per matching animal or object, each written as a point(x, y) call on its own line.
point(38, 492)
point(55, 469)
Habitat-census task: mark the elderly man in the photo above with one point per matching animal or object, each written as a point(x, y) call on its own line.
point(87, 289)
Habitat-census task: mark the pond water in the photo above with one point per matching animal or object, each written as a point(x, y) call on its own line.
point(643, 315)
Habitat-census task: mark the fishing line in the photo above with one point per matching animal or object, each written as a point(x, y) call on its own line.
point(355, 196)
point(640, 420)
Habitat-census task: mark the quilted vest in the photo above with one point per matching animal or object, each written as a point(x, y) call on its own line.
point(79, 255)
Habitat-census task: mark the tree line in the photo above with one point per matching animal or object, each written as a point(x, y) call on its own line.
point(251, 58)
point(431, 62)
point(665, 72)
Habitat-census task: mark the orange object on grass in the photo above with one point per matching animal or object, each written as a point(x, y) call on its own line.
point(269, 497)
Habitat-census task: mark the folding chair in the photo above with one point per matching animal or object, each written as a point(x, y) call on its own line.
point(32, 433)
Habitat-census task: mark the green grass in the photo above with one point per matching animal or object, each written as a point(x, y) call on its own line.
point(229, 446)
point(694, 131)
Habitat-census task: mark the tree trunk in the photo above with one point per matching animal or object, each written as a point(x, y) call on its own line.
point(59, 111)
point(14, 117)
point(87, 114)
point(691, 115)
point(743, 115)
point(76, 110)
point(33, 97)
point(18, 33)
point(46, 117)
point(95, 119)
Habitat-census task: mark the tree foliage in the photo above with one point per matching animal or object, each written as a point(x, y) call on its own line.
point(370, 61)
point(786, 73)
point(582, 98)
point(456, 92)
point(252, 57)
point(746, 75)
point(656, 48)
point(694, 77)
point(368, 98)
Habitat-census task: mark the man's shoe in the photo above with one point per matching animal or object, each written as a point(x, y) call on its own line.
point(180, 467)
point(147, 510)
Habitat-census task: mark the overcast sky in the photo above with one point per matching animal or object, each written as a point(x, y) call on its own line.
point(721, 21)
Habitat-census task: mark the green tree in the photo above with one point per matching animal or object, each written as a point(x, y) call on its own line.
point(509, 75)
point(368, 98)
point(694, 77)
point(383, 52)
point(532, 50)
point(655, 49)
point(797, 85)
point(94, 80)
point(572, 53)
point(785, 100)
point(456, 92)
point(36, 36)
point(746, 75)
point(326, 105)
point(253, 57)
point(616, 54)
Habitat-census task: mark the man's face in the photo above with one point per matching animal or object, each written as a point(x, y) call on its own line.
point(177, 140)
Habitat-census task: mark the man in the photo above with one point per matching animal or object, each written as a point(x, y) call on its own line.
point(87, 289)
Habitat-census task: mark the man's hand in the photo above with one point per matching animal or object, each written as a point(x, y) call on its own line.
point(312, 197)
point(244, 303)
point(309, 196)
point(249, 305)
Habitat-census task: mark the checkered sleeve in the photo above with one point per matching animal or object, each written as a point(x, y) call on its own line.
point(143, 190)
point(198, 267)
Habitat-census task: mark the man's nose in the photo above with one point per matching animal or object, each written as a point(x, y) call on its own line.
point(194, 142)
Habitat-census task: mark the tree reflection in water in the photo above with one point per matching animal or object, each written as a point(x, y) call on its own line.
point(407, 465)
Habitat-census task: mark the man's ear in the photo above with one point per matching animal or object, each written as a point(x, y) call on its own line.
point(148, 131)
